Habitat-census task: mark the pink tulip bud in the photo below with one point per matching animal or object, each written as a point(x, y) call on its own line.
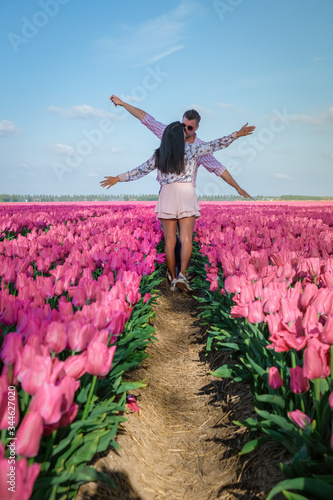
point(300, 418)
point(330, 400)
point(274, 378)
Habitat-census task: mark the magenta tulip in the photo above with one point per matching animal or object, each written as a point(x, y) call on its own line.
point(75, 366)
point(309, 292)
point(323, 301)
point(298, 383)
point(255, 313)
point(300, 418)
point(316, 360)
point(11, 346)
point(326, 335)
point(274, 378)
point(99, 359)
point(29, 434)
point(78, 334)
point(36, 374)
point(9, 407)
point(47, 402)
point(56, 337)
point(19, 485)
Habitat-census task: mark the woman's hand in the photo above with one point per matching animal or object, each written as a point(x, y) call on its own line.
point(109, 181)
point(245, 130)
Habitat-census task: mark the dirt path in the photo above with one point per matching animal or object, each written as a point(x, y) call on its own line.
point(183, 444)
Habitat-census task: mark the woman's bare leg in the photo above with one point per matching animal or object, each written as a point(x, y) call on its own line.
point(186, 227)
point(169, 229)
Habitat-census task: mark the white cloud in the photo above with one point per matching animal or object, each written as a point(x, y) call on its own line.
point(201, 109)
point(81, 111)
point(164, 54)
point(315, 119)
point(224, 105)
point(281, 175)
point(63, 149)
point(153, 39)
point(8, 128)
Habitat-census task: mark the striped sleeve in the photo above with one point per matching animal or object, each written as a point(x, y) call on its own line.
point(153, 125)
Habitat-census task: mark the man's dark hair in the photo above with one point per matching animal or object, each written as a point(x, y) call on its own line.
point(170, 155)
point(192, 114)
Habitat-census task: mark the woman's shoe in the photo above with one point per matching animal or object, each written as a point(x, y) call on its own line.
point(173, 285)
point(183, 283)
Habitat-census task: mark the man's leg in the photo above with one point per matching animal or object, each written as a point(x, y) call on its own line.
point(169, 229)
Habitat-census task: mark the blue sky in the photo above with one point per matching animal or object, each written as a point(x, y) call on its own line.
point(269, 63)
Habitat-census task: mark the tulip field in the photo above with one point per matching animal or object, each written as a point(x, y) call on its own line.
point(78, 284)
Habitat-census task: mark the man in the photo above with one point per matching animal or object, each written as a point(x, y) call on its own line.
point(191, 121)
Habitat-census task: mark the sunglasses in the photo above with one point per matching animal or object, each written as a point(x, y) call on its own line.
point(188, 127)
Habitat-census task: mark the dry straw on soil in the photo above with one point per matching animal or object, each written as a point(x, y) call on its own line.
point(183, 444)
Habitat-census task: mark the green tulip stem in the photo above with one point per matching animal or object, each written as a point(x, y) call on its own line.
point(91, 393)
point(49, 446)
point(293, 359)
point(317, 396)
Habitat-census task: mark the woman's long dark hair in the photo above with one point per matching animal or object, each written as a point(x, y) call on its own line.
point(170, 154)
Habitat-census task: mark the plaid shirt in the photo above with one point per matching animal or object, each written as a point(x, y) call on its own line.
point(197, 153)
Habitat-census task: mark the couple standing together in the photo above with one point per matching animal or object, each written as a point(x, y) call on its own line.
point(177, 161)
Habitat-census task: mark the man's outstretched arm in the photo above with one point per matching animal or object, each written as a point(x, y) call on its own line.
point(227, 177)
point(136, 112)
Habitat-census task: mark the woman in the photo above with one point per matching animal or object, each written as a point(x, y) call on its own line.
point(175, 162)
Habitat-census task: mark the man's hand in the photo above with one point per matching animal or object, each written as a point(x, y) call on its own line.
point(245, 130)
point(116, 101)
point(109, 181)
point(242, 192)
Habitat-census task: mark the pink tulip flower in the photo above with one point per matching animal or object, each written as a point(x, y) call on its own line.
point(239, 311)
point(316, 363)
point(99, 359)
point(36, 374)
point(298, 383)
point(326, 335)
point(21, 483)
point(29, 434)
point(274, 378)
point(6, 409)
point(56, 337)
point(300, 418)
point(289, 310)
point(323, 301)
point(75, 366)
point(255, 313)
point(78, 335)
point(47, 402)
point(309, 292)
point(11, 346)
